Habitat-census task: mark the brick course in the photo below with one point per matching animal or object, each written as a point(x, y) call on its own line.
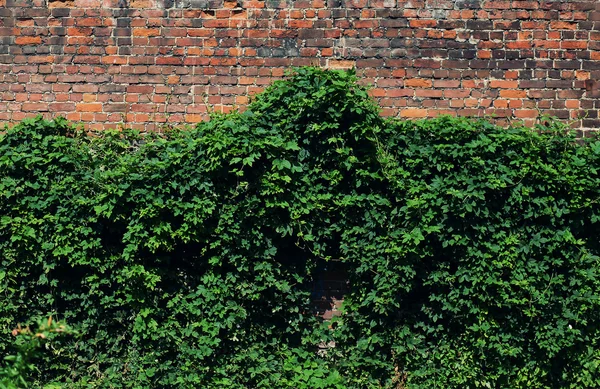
point(149, 62)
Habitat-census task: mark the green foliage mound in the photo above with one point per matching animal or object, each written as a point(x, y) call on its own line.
point(187, 259)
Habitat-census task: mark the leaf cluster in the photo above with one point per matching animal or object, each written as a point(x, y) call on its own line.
point(16, 368)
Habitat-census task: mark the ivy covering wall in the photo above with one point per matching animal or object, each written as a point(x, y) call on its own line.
point(185, 259)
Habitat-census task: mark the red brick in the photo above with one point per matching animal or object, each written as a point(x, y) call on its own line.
point(513, 94)
point(169, 61)
point(560, 25)
point(413, 113)
point(144, 89)
point(91, 22)
point(519, 45)
point(89, 107)
point(526, 113)
point(428, 93)
point(341, 64)
point(62, 107)
point(504, 84)
point(146, 31)
point(396, 92)
point(573, 45)
point(79, 31)
point(34, 107)
point(140, 3)
point(28, 40)
point(61, 3)
point(421, 23)
point(456, 94)
point(114, 60)
point(418, 83)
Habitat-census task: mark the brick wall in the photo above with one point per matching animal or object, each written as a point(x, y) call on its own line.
point(147, 62)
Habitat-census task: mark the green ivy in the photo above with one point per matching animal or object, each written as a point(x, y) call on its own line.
point(187, 259)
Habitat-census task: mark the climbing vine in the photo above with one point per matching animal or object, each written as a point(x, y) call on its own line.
point(186, 259)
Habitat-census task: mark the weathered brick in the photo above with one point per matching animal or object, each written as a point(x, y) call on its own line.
point(563, 25)
point(480, 25)
point(418, 83)
point(119, 107)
